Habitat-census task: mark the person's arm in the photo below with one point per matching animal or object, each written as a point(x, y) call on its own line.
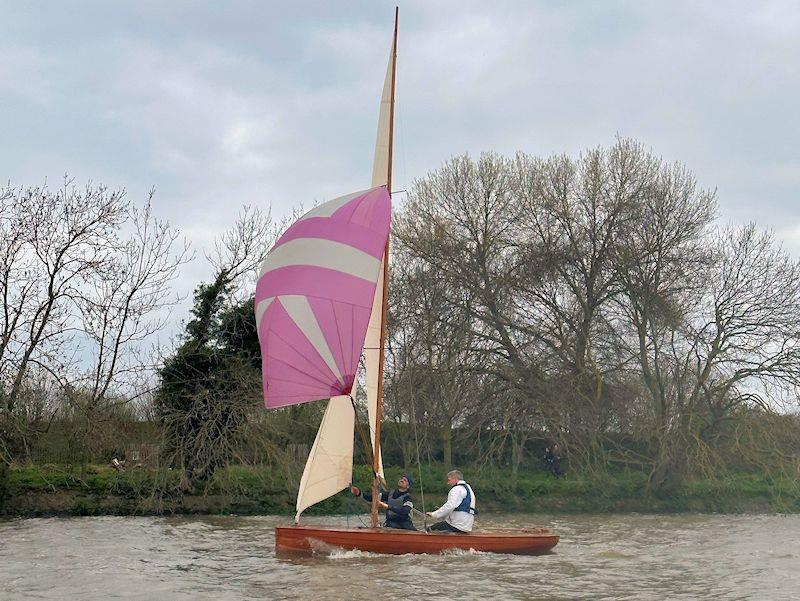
point(367, 496)
point(454, 498)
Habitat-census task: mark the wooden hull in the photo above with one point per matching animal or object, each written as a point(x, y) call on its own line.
point(322, 539)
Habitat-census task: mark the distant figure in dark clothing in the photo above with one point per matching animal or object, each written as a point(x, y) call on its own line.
point(397, 503)
point(552, 459)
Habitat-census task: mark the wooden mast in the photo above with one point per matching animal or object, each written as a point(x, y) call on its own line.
point(376, 454)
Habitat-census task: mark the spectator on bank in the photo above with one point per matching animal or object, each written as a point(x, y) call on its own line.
point(552, 459)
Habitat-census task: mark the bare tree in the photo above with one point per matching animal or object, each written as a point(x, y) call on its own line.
point(528, 249)
point(598, 298)
point(54, 243)
point(128, 302)
point(435, 371)
point(69, 236)
point(463, 223)
point(80, 297)
point(712, 318)
point(121, 309)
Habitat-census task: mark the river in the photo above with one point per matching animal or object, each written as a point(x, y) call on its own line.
point(599, 557)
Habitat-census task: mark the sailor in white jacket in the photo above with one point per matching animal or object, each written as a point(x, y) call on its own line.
point(459, 511)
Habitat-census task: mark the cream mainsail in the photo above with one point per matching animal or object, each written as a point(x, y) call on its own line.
point(329, 468)
point(380, 176)
point(380, 163)
point(372, 346)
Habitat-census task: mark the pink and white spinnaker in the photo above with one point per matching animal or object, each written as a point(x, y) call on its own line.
point(315, 294)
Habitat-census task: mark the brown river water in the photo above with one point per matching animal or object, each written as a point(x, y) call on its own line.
point(599, 557)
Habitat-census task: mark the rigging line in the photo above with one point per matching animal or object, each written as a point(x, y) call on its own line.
point(419, 462)
point(381, 481)
point(365, 442)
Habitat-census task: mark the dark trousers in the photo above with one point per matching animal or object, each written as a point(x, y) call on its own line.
point(405, 525)
point(444, 527)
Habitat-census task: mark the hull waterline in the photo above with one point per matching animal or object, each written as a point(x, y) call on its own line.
point(321, 539)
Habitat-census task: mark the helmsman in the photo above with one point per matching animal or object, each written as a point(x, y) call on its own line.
point(459, 510)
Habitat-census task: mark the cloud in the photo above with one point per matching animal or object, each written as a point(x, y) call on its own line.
point(278, 106)
point(25, 73)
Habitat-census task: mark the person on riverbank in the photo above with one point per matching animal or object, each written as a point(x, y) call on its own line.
point(552, 459)
point(458, 513)
point(397, 503)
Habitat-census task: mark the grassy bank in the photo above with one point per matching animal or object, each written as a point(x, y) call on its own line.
point(96, 490)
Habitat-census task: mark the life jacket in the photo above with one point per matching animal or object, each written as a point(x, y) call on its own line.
point(400, 500)
point(468, 504)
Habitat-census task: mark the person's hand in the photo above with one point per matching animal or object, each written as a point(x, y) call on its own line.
point(383, 505)
point(354, 490)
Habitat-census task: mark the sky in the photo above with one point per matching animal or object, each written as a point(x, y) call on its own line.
point(274, 104)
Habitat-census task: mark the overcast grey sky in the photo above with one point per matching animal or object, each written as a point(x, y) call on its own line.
point(275, 103)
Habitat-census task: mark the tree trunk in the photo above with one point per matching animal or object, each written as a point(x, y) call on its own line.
point(517, 454)
point(669, 470)
point(447, 445)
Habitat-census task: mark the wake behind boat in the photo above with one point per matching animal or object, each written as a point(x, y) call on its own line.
point(321, 305)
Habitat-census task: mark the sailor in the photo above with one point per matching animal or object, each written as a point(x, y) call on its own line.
point(397, 503)
point(459, 510)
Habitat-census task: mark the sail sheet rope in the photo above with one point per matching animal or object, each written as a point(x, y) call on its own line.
point(419, 462)
point(365, 442)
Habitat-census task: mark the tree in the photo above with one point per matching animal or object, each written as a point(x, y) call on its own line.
point(80, 299)
point(526, 249)
point(599, 300)
point(434, 370)
point(208, 389)
point(733, 338)
point(58, 243)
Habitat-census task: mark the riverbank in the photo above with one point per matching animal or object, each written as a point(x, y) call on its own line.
point(98, 490)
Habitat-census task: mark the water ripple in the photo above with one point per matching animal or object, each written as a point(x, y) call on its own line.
point(621, 557)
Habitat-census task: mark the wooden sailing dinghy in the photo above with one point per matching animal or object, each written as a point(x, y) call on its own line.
point(320, 305)
point(316, 539)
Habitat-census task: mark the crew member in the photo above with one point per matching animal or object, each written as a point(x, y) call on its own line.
point(397, 503)
point(460, 509)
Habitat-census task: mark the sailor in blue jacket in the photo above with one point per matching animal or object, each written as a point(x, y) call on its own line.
point(397, 503)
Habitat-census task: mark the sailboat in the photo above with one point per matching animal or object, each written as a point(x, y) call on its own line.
point(320, 305)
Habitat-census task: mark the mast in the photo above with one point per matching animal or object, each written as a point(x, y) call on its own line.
point(385, 306)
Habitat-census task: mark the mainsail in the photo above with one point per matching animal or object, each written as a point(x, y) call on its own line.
point(380, 177)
